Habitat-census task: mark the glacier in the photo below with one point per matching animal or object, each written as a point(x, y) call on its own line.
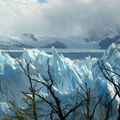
point(67, 75)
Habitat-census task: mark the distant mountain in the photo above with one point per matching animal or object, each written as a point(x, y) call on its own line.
point(94, 40)
point(38, 41)
point(30, 36)
point(56, 44)
point(106, 42)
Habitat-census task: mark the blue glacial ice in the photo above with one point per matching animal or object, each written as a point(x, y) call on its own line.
point(67, 74)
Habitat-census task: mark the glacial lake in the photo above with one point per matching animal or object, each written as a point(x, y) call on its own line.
point(71, 53)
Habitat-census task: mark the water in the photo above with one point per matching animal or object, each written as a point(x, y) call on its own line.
point(71, 53)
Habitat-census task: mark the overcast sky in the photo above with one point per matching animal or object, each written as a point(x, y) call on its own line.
point(59, 17)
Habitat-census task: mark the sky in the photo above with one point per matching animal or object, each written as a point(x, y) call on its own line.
point(42, 1)
point(59, 17)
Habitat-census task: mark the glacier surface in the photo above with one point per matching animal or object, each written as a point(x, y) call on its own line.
point(67, 74)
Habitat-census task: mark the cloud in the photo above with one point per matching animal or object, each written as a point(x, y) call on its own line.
point(59, 17)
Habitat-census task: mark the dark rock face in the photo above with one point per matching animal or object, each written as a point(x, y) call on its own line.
point(56, 44)
point(105, 43)
point(30, 36)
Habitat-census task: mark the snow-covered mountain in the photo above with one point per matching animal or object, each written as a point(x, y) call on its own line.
point(108, 37)
point(70, 42)
point(66, 74)
point(38, 41)
point(107, 41)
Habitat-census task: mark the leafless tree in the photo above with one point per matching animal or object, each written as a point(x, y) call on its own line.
point(58, 110)
point(111, 78)
point(32, 96)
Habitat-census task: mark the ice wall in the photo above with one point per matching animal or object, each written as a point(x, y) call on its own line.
point(66, 74)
